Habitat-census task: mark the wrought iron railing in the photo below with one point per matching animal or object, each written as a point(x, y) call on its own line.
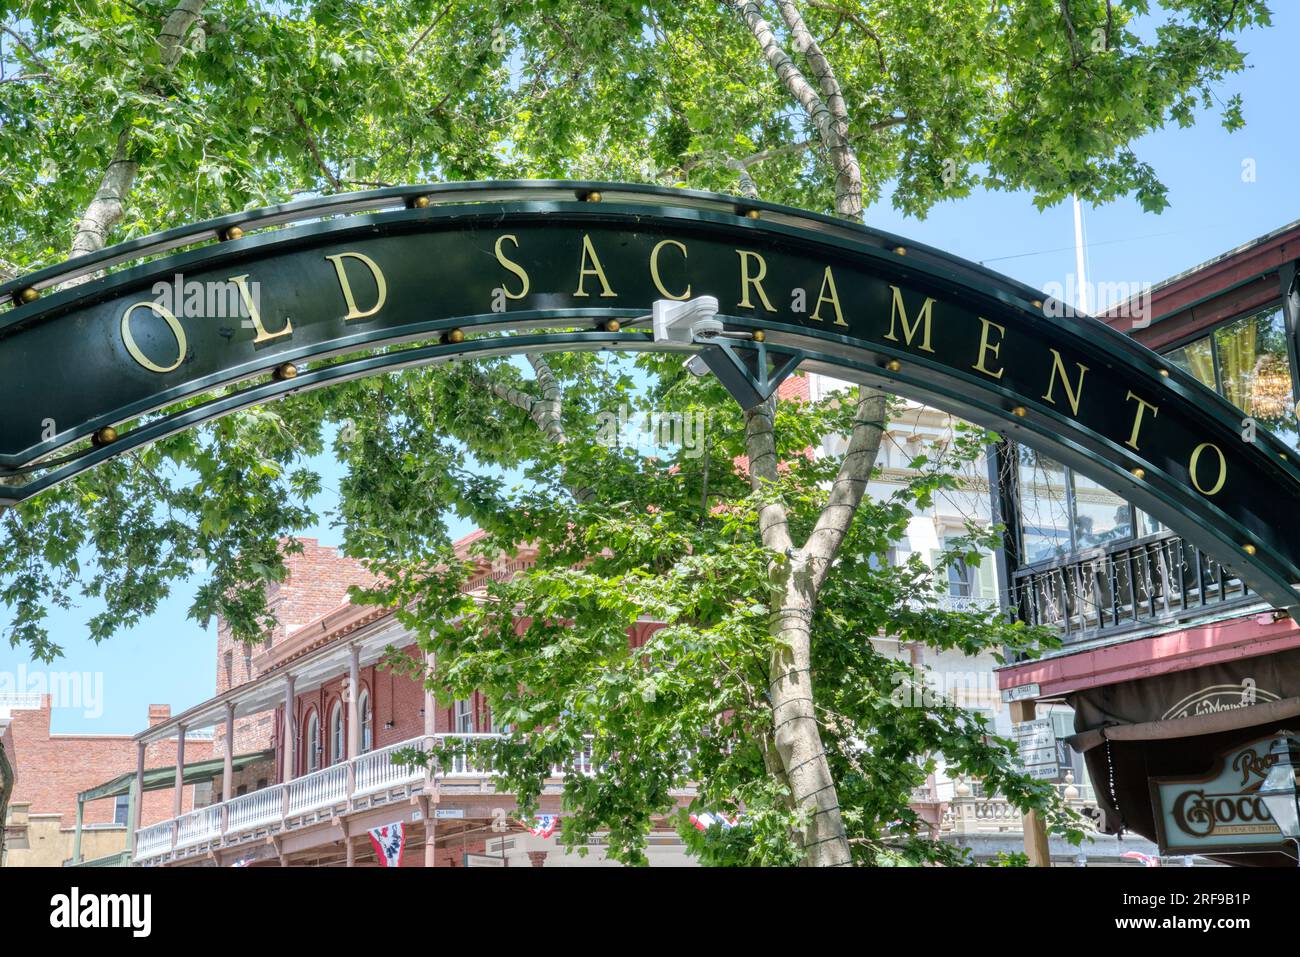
point(1125, 586)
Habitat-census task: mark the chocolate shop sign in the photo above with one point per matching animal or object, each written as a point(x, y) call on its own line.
point(345, 286)
point(1220, 811)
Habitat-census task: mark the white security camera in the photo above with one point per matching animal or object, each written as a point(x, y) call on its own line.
point(684, 321)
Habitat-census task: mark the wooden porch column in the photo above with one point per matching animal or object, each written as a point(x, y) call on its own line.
point(351, 860)
point(228, 770)
point(430, 721)
point(1037, 848)
point(179, 787)
point(133, 815)
point(288, 737)
point(76, 838)
point(354, 702)
point(427, 808)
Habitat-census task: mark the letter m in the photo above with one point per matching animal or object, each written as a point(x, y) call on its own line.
point(898, 315)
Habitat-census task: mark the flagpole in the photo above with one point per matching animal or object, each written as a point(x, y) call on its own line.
point(1081, 297)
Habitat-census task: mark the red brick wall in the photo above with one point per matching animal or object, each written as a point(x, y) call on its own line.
point(316, 584)
point(52, 768)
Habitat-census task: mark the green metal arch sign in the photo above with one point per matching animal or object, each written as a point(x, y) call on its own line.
point(500, 268)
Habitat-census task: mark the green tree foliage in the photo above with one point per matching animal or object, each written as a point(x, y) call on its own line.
point(122, 118)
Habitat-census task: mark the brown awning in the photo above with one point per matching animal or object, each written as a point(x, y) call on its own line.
point(1190, 726)
point(1178, 724)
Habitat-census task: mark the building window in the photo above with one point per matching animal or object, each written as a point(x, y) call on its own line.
point(1247, 363)
point(367, 722)
point(338, 750)
point(313, 743)
point(1062, 511)
point(464, 717)
point(121, 808)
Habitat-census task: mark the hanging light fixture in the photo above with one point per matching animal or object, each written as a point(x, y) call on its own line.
point(1270, 389)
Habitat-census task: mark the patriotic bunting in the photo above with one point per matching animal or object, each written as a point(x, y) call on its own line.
point(544, 825)
point(706, 819)
point(389, 843)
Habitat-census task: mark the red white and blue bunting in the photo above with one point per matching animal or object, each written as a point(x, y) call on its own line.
point(544, 825)
point(706, 819)
point(389, 843)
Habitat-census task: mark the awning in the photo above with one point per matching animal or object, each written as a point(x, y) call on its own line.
point(158, 779)
point(1179, 724)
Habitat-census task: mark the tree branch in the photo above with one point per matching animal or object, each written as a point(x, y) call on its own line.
point(850, 484)
point(760, 446)
point(315, 151)
point(106, 208)
point(848, 175)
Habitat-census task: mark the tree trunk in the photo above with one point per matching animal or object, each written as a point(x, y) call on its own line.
point(794, 721)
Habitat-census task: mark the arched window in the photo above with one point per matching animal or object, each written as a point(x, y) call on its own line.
point(367, 725)
point(338, 749)
point(312, 744)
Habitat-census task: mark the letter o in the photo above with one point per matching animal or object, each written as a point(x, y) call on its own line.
point(1223, 468)
point(172, 323)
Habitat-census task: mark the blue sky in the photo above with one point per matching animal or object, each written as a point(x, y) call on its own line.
point(172, 659)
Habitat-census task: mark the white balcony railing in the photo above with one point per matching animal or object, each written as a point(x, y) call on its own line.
point(317, 790)
point(283, 804)
point(199, 826)
point(377, 772)
point(154, 840)
point(248, 812)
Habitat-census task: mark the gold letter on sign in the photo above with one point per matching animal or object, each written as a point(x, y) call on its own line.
point(595, 269)
point(1223, 468)
point(380, 284)
point(1132, 442)
point(989, 348)
point(828, 282)
point(654, 268)
point(746, 280)
point(513, 267)
point(1072, 395)
point(255, 314)
point(898, 311)
point(172, 323)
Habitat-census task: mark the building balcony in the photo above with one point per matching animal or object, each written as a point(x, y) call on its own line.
point(370, 780)
point(1126, 589)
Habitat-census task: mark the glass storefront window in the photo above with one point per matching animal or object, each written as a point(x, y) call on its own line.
point(1044, 507)
point(1246, 362)
point(1100, 516)
point(1197, 359)
point(1062, 511)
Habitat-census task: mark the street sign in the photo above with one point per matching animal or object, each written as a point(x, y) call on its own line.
point(446, 813)
point(1044, 772)
point(484, 860)
point(1020, 693)
point(1031, 756)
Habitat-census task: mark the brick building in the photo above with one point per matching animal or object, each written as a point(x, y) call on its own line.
point(52, 768)
point(332, 777)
